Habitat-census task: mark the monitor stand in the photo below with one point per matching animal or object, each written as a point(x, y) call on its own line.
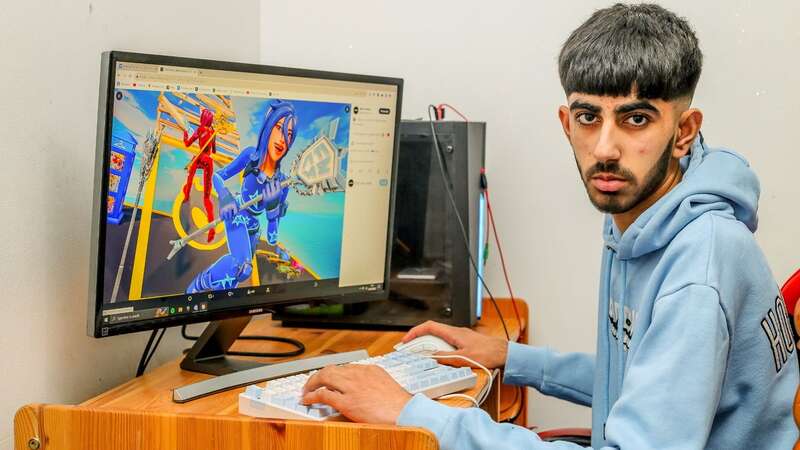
point(207, 355)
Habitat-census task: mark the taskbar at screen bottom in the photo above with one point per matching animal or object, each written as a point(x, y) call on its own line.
point(187, 305)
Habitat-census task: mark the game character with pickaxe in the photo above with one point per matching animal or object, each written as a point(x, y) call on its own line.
point(264, 190)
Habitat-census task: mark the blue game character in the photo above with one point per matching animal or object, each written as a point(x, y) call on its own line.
point(260, 166)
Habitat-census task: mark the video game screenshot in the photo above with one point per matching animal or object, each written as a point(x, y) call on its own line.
point(209, 192)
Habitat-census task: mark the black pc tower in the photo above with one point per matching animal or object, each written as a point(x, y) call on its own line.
point(223, 189)
point(431, 275)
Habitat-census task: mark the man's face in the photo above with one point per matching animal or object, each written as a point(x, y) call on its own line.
point(623, 146)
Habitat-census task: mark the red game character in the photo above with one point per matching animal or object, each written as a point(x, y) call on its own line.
point(205, 133)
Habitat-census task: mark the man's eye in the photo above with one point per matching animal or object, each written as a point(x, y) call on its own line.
point(587, 118)
point(637, 120)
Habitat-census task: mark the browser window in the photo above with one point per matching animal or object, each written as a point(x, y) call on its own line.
point(306, 161)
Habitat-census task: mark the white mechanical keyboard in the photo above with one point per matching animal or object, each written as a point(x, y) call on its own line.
point(280, 399)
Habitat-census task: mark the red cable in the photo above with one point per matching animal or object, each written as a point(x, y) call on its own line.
point(502, 258)
point(519, 389)
point(440, 115)
point(445, 105)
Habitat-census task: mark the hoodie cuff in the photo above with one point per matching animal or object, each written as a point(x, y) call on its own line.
point(525, 365)
point(423, 412)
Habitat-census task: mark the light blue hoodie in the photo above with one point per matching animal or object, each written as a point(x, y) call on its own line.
point(694, 346)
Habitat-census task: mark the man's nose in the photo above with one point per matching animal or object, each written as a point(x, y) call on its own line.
point(607, 148)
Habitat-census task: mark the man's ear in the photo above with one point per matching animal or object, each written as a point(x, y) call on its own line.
point(688, 127)
point(563, 116)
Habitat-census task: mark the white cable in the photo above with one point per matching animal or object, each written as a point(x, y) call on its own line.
point(488, 373)
point(464, 396)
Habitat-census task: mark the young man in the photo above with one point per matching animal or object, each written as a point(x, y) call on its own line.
point(694, 347)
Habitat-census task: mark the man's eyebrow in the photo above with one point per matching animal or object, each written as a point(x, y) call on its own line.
point(577, 104)
point(641, 104)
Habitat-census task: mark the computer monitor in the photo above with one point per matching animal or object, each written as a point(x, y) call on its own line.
point(224, 188)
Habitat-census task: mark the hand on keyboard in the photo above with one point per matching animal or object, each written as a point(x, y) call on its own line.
point(362, 393)
point(374, 389)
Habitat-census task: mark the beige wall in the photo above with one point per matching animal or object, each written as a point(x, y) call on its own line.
point(496, 62)
point(50, 52)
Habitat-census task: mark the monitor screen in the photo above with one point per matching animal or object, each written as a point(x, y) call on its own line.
point(225, 187)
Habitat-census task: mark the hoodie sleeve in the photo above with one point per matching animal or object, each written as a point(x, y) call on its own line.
point(568, 376)
point(669, 396)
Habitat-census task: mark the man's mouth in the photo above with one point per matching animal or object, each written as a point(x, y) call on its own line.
point(280, 148)
point(606, 182)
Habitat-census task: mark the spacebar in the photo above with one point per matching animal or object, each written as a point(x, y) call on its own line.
point(267, 372)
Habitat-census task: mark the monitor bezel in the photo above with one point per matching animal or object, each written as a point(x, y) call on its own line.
point(260, 303)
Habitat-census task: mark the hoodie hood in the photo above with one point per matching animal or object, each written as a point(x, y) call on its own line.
point(717, 180)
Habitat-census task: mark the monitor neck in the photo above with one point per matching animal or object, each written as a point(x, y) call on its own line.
point(207, 355)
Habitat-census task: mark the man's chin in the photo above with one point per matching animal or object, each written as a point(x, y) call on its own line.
point(610, 203)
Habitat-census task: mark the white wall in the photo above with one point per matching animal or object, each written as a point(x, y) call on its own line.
point(495, 61)
point(50, 53)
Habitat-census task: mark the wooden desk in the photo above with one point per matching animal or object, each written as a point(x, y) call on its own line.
point(140, 414)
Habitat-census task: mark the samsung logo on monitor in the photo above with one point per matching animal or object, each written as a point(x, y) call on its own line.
point(256, 311)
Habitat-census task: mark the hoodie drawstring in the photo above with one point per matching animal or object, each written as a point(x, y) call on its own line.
point(605, 336)
point(621, 323)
